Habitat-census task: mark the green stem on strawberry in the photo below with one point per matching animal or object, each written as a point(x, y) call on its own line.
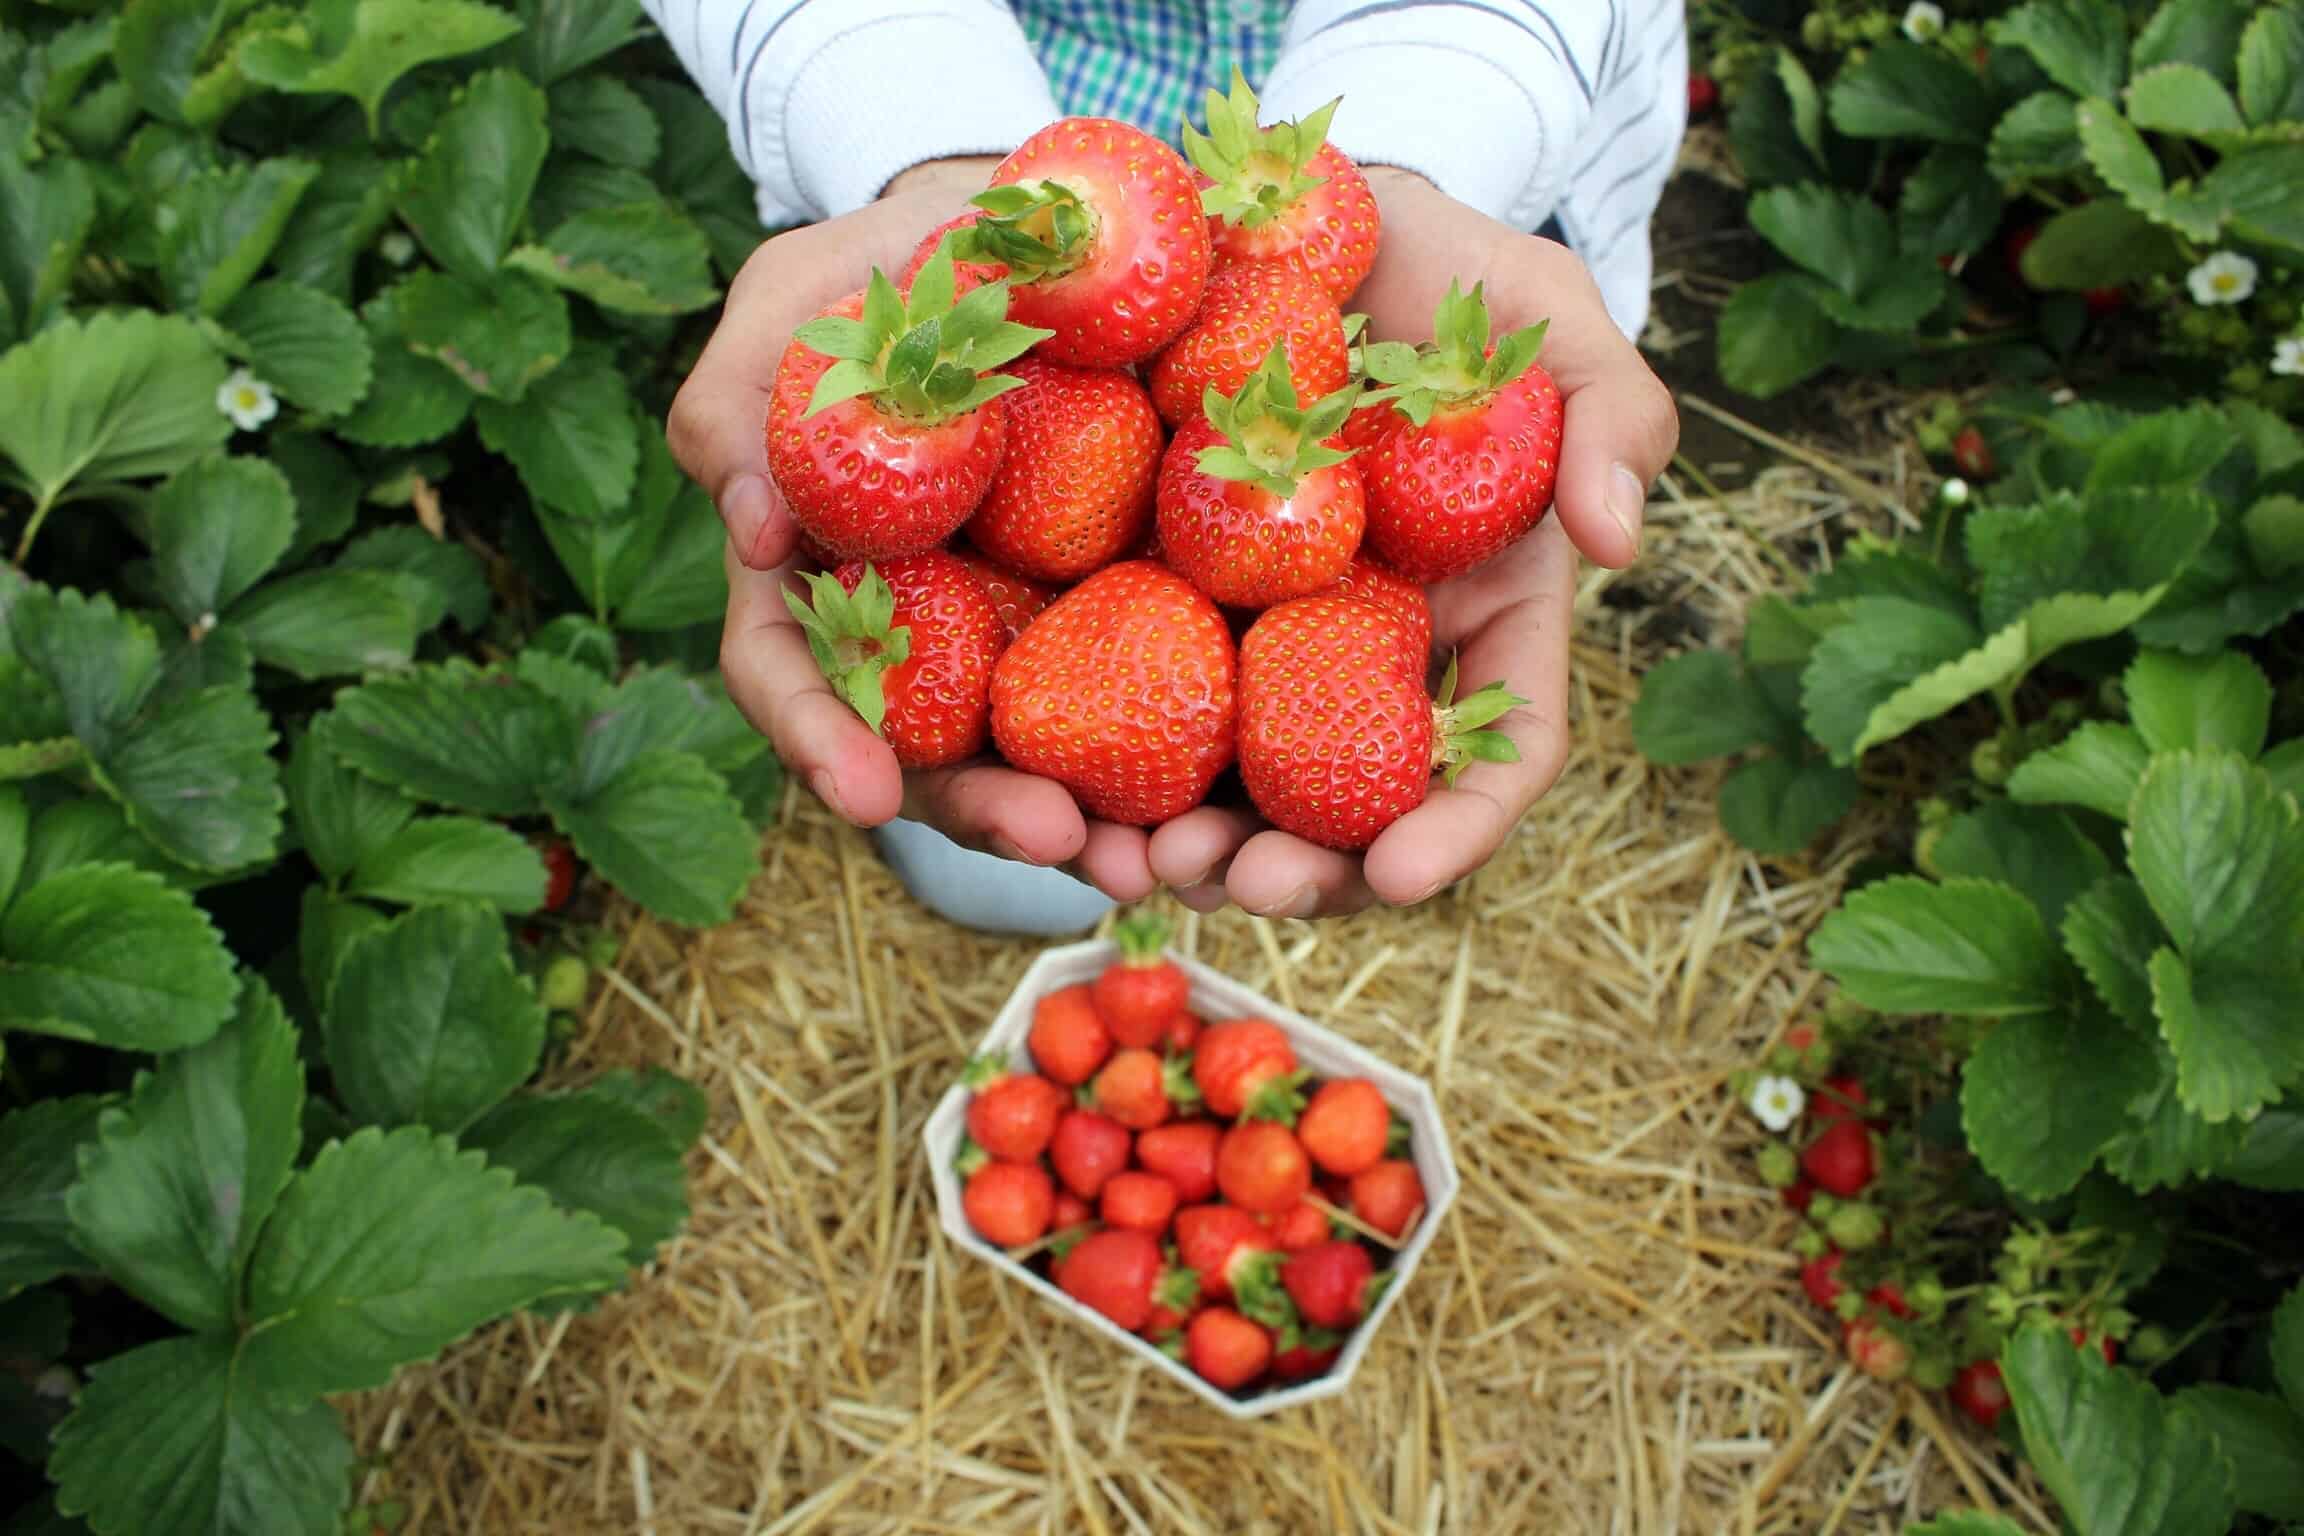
point(853, 637)
point(1457, 737)
point(1279, 1099)
point(1258, 1295)
point(969, 1158)
point(1142, 937)
point(1257, 172)
point(926, 357)
point(1455, 367)
point(1037, 229)
point(1176, 1082)
point(1271, 440)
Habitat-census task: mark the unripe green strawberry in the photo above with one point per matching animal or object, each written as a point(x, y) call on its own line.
point(1855, 1226)
point(1779, 1165)
point(566, 980)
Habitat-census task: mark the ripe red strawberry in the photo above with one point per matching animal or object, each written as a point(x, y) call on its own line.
point(1298, 1227)
point(1088, 1149)
point(1074, 486)
point(1181, 1033)
point(2012, 249)
point(910, 644)
point(1388, 1197)
point(1097, 224)
point(1305, 1352)
point(2105, 301)
point(1068, 1040)
point(1069, 1211)
point(1839, 1098)
point(1980, 1392)
point(1820, 1278)
point(1396, 595)
point(1009, 1203)
point(885, 423)
point(1254, 505)
point(1144, 1201)
point(1261, 1166)
point(1122, 691)
point(1889, 1297)
point(1333, 1285)
point(1841, 1160)
point(1972, 455)
point(1345, 1126)
point(1247, 1067)
point(1141, 991)
point(1466, 465)
point(1284, 191)
point(1252, 308)
point(2108, 1346)
point(1015, 598)
point(1876, 1352)
point(1337, 738)
point(1012, 1114)
point(1703, 96)
point(1183, 1153)
point(1119, 1272)
point(1227, 1349)
point(966, 275)
point(559, 872)
point(1140, 1090)
point(1166, 1323)
point(1225, 1247)
point(1799, 1192)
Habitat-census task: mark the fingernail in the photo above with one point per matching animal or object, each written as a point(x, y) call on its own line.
point(1299, 903)
point(1200, 878)
point(1627, 498)
point(1425, 894)
point(744, 511)
point(821, 782)
point(1004, 849)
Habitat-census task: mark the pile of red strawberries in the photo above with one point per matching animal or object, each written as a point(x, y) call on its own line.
point(1188, 1179)
point(1199, 512)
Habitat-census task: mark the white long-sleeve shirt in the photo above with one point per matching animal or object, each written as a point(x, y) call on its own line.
point(1567, 112)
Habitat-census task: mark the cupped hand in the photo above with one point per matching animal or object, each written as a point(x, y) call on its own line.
point(1511, 619)
point(716, 433)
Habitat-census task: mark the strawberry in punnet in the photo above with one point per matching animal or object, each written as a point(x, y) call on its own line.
point(1261, 1166)
point(1139, 993)
point(1141, 1089)
point(1069, 1211)
point(1334, 1284)
point(1144, 1201)
point(1097, 224)
point(910, 645)
point(1284, 192)
point(1298, 1227)
point(1226, 1248)
point(1345, 1126)
point(1396, 595)
point(1841, 1161)
point(1121, 691)
point(1087, 1150)
point(1074, 486)
point(1120, 1273)
point(1337, 738)
point(1012, 1114)
point(1246, 1067)
point(1226, 1349)
point(1068, 1040)
point(1182, 1032)
point(1252, 307)
point(1015, 598)
point(1388, 1197)
point(1184, 1153)
point(1305, 1352)
point(1255, 506)
point(885, 423)
point(1009, 1203)
point(1465, 465)
point(1980, 1392)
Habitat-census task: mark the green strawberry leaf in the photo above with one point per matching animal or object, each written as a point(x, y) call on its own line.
point(217, 228)
point(15, 840)
point(1906, 945)
point(2175, 450)
point(2082, 45)
point(1904, 90)
point(467, 192)
point(215, 529)
point(1951, 204)
point(447, 1243)
point(2110, 544)
point(2038, 138)
point(428, 1023)
point(559, 37)
point(667, 833)
point(342, 816)
point(40, 1148)
point(175, 1439)
point(2272, 66)
point(303, 343)
point(2179, 701)
point(441, 577)
point(330, 927)
point(360, 49)
point(1698, 706)
point(592, 1151)
point(676, 1106)
point(2287, 1347)
point(411, 399)
point(2284, 766)
point(696, 169)
point(2165, 1144)
point(499, 336)
point(1779, 805)
point(1888, 646)
point(2110, 932)
point(181, 1179)
point(2254, 190)
point(1966, 1523)
point(2232, 1026)
point(194, 772)
point(2042, 1093)
point(46, 212)
point(2260, 1436)
point(450, 859)
point(1844, 239)
point(642, 258)
point(573, 439)
point(602, 117)
point(2184, 100)
point(2221, 856)
point(2042, 853)
point(659, 565)
point(2205, 33)
point(124, 395)
point(2099, 244)
point(2271, 1153)
point(115, 956)
point(481, 741)
point(2220, 597)
point(658, 709)
point(329, 623)
point(335, 219)
point(1774, 334)
point(2096, 767)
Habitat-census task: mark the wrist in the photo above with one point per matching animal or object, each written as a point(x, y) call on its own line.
point(962, 176)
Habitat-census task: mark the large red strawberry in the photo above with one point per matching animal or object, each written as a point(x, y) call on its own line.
point(1226, 1349)
point(1256, 506)
point(885, 423)
point(1012, 1114)
point(1465, 464)
point(1098, 224)
point(1284, 191)
point(1226, 1248)
point(910, 645)
point(1371, 582)
point(1137, 994)
point(1333, 1284)
point(1119, 1272)
point(1251, 307)
point(1338, 739)
point(1247, 1068)
point(1074, 487)
point(967, 275)
point(1122, 691)
point(1015, 598)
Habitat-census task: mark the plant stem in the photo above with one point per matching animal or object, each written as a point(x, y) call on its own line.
point(40, 511)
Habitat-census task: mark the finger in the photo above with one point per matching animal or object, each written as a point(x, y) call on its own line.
point(1459, 828)
point(1192, 854)
point(1276, 874)
point(995, 809)
point(776, 685)
point(1115, 860)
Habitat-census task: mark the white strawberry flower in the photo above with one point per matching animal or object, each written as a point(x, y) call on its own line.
point(2288, 356)
point(1954, 492)
point(397, 248)
point(1923, 22)
point(247, 399)
point(1777, 1101)
point(2224, 278)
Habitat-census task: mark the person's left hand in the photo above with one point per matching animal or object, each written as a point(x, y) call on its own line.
point(1509, 620)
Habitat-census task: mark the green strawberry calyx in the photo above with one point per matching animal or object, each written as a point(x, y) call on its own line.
point(1259, 172)
point(1270, 440)
point(1455, 367)
point(928, 357)
point(854, 637)
point(1142, 937)
point(1037, 229)
point(1458, 737)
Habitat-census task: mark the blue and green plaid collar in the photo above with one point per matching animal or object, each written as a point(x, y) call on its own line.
point(1150, 64)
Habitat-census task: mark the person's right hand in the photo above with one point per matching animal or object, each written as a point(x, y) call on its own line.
point(717, 433)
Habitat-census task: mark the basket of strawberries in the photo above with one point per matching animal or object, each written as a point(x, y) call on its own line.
point(1219, 1184)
